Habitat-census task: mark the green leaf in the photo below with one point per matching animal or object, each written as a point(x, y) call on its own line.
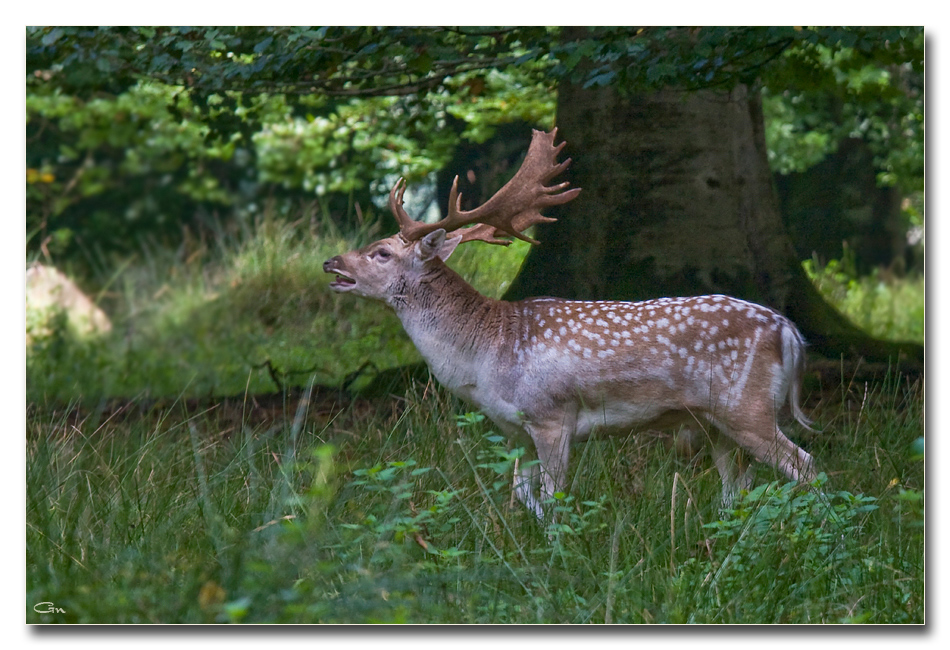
point(263, 45)
point(52, 36)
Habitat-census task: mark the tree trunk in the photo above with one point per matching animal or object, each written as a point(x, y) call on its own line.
point(677, 200)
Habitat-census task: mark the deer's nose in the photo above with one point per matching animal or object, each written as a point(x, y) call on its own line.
point(330, 263)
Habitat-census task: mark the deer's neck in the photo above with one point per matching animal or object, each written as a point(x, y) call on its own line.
point(451, 324)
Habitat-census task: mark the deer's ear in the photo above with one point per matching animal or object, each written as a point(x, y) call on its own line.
point(448, 247)
point(429, 245)
point(435, 244)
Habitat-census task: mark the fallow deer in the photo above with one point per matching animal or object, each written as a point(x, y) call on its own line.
point(550, 372)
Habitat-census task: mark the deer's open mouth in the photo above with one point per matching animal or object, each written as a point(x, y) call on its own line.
point(342, 282)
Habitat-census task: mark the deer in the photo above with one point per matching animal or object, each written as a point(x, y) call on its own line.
point(550, 372)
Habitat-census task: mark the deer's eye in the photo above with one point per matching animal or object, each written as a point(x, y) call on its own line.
point(382, 254)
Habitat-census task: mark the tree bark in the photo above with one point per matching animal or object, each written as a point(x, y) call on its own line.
point(678, 200)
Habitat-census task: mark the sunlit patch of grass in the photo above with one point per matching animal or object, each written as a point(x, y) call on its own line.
point(883, 305)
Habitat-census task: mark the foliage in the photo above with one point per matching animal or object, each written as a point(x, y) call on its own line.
point(704, 57)
point(183, 514)
point(128, 140)
point(820, 94)
point(328, 61)
point(813, 536)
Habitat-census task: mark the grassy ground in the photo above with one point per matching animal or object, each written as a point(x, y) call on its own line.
point(323, 513)
point(253, 315)
point(190, 508)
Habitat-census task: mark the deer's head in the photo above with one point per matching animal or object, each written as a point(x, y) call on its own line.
point(383, 269)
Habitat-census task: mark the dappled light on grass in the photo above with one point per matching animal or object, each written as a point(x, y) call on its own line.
point(882, 304)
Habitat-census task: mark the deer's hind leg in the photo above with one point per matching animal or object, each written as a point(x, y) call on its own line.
point(735, 471)
point(777, 451)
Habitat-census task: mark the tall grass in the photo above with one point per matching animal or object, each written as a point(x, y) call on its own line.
point(406, 515)
point(253, 313)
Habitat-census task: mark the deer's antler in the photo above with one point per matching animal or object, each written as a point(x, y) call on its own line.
point(512, 210)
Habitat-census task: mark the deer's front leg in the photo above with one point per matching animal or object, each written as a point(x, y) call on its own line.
point(552, 442)
point(527, 473)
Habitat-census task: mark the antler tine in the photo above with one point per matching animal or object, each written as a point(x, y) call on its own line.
point(409, 228)
point(484, 233)
point(395, 201)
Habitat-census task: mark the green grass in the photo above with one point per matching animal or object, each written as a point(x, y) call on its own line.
point(404, 514)
point(254, 314)
point(886, 306)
